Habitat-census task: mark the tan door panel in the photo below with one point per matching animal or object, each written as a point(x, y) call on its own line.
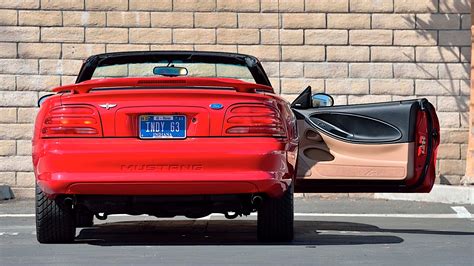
point(324, 157)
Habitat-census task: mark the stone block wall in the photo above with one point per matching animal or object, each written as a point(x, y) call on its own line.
point(357, 50)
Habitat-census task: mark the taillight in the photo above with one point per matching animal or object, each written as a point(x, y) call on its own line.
point(253, 120)
point(72, 121)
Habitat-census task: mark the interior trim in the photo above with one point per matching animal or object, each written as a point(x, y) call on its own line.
point(353, 161)
point(400, 115)
point(363, 134)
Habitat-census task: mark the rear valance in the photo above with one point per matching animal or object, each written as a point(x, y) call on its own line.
point(86, 86)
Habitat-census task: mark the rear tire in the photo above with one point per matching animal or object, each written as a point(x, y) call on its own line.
point(275, 218)
point(54, 222)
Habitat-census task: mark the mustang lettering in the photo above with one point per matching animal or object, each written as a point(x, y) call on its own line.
point(162, 167)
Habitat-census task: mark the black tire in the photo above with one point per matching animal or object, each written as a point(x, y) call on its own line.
point(84, 218)
point(54, 222)
point(275, 218)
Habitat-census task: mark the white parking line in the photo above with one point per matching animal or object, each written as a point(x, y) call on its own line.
point(9, 233)
point(15, 227)
point(461, 212)
point(381, 215)
point(16, 215)
point(205, 217)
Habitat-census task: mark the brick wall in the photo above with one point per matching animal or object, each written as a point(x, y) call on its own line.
point(469, 177)
point(357, 50)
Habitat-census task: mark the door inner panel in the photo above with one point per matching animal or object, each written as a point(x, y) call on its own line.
point(376, 147)
point(324, 157)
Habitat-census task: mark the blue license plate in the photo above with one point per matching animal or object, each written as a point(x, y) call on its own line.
point(162, 126)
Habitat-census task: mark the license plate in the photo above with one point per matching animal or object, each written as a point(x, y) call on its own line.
point(162, 126)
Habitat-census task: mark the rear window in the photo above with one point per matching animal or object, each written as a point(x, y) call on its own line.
point(210, 70)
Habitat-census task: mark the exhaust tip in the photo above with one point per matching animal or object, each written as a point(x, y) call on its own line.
point(256, 201)
point(68, 201)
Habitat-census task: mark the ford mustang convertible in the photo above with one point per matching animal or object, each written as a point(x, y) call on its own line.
point(170, 133)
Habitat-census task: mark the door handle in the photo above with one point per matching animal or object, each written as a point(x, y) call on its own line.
point(325, 126)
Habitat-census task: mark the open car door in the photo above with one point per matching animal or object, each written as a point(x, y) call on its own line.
point(379, 147)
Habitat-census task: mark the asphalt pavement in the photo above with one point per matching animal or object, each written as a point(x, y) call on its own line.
point(327, 232)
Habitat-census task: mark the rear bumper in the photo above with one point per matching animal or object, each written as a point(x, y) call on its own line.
point(194, 166)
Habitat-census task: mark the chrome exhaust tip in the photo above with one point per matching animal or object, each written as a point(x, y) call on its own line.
point(68, 201)
point(256, 201)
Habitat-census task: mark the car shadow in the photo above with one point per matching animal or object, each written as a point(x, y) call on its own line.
point(225, 232)
point(240, 232)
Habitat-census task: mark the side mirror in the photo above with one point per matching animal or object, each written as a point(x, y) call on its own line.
point(322, 100)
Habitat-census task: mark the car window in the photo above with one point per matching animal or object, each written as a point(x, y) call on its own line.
point(214, 70)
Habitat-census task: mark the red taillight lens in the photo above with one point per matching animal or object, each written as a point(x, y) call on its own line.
point(253, 120)
point(72, 121)
point(72, 110)
point(61, 120)
point(258, 130)
point(69, 131)
point(252, 110)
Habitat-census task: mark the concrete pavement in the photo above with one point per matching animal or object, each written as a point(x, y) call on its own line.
point(327, 232)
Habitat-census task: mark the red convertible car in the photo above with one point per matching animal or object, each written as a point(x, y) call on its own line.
point(195, 133)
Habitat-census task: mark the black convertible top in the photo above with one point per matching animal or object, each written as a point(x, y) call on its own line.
point(106, 59)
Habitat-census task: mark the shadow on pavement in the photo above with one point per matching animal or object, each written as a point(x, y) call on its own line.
point(344, 226)
point(240, 232)
point(237, 232)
